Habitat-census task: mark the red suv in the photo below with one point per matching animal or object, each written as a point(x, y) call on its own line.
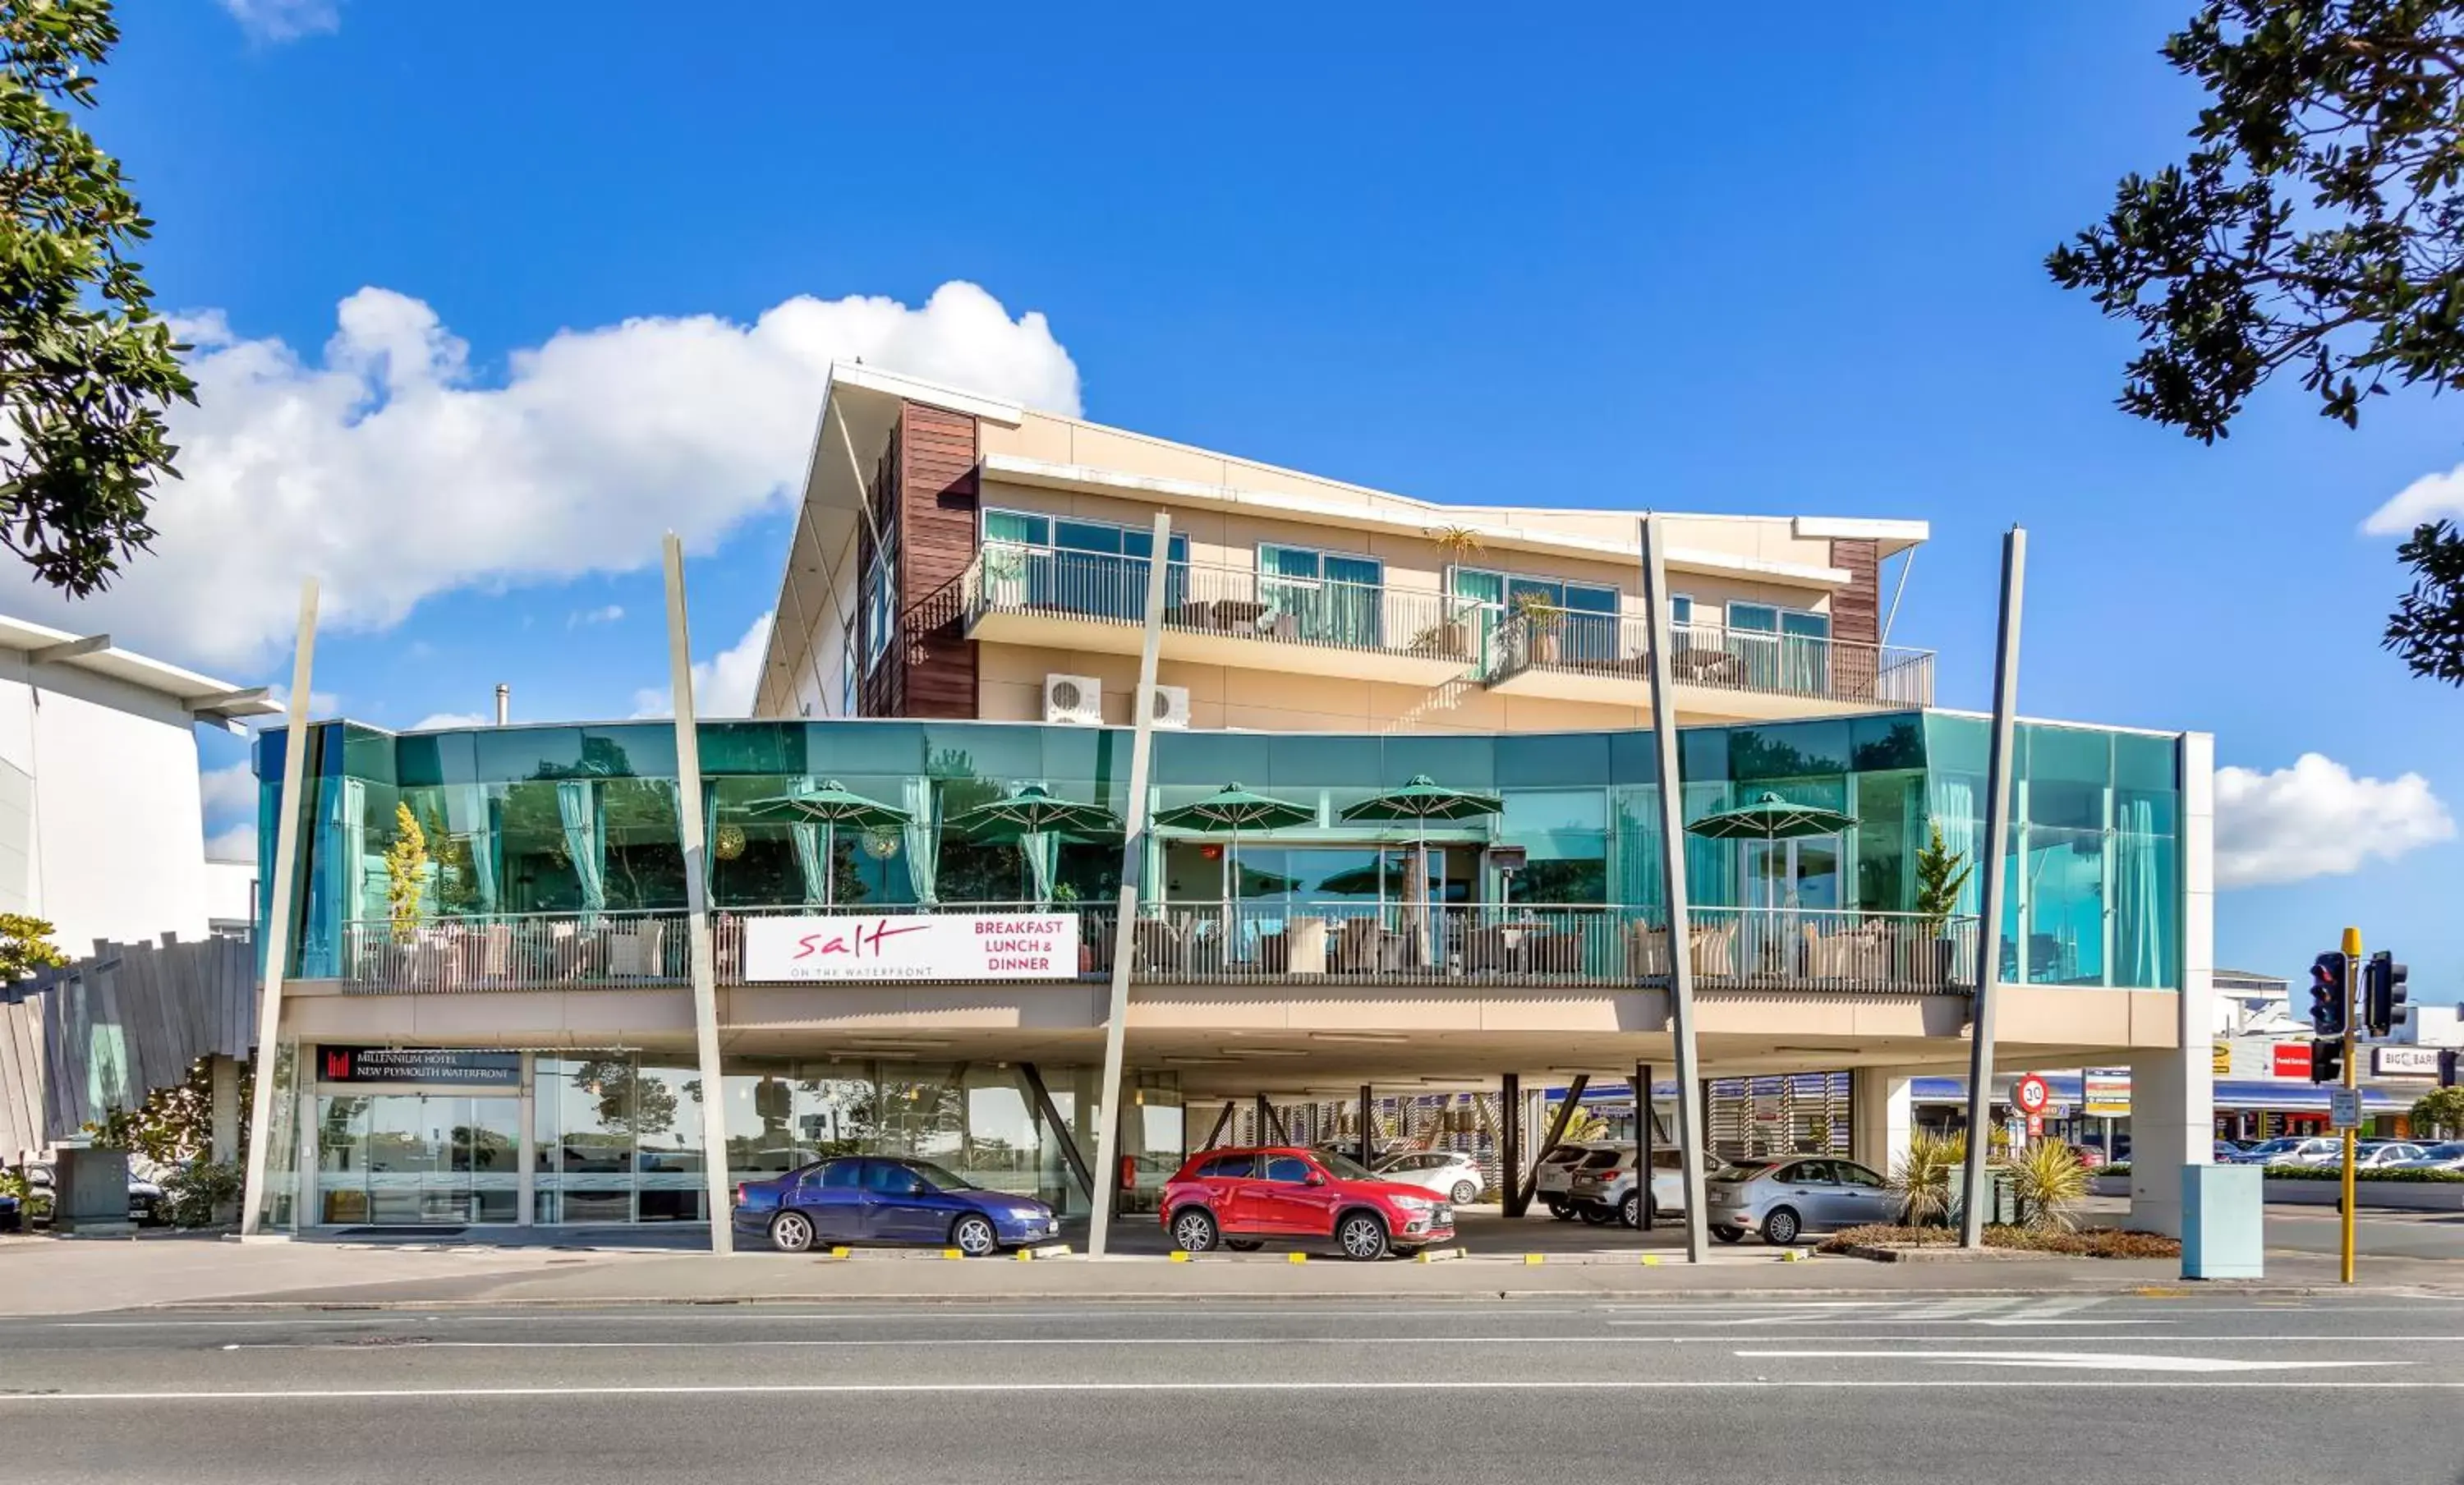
point(1241, 1197)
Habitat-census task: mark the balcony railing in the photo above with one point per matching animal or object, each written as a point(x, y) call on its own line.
point(1234, 602)
point(1248, 942)
point(1812, 666)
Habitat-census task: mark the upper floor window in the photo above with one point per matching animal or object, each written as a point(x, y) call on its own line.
point(1332, 598)
point(1505, 589)
point(1057, 533)
point(1092, 567)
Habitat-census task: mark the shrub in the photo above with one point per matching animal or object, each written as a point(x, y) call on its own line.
point(2089, 1243)
point(2050, 1181)
point(2336, 1172)
point(1927, 1179)
point(192, 1193)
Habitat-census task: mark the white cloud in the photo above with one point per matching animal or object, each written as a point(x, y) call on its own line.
point(723, 685)
point(228, 792)
point(284, 21)
point(435, 720)
point(386, 471)
point(2427, 499)
point(607, 615)
point(236, 844)
point(2316, 819)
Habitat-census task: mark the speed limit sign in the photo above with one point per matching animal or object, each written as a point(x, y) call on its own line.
point(2030, 1094)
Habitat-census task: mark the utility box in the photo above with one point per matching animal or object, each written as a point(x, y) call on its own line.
point(90, 1192)
point(2223, 1221)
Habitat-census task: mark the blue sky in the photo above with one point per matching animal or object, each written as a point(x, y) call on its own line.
point(1626, 261)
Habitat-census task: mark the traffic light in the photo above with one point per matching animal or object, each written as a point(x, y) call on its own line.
point(2331, 994)
point(2327, 1062)
point(2448, 1067)
point(2382, 993)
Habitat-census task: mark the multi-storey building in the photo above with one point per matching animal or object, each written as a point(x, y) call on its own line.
point(957, 628)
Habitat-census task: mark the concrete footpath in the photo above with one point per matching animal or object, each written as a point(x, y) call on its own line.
point(45, 1276)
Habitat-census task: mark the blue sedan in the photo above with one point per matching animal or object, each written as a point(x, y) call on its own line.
point(872, 1200)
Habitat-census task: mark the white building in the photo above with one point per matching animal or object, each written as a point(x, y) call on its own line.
point(101, 818)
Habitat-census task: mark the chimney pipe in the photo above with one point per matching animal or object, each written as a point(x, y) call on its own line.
point(504, 703)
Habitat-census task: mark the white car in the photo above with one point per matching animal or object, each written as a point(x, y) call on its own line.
point(2446, 1155)
point(1450, 1173)
point(1552, 1183)
point(1604, 1187)
point(2296, 1151)
point(2381, 1154)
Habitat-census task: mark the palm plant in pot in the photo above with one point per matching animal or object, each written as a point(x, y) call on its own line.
point(1542, 624)
point(1942, 875)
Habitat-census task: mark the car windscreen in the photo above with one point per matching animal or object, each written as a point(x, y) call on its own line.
point(1600, 1159)
point(939, 1179)
point(1343, 1168)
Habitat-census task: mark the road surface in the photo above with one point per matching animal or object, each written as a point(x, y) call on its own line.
point(2202, 1388)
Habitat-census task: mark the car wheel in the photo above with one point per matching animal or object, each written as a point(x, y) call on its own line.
point(1362, 1236)
point(1596, 1215)
point(1464, 1195)
point(974, 1235)
point(1727, 1234)
point(1560, 1210)
point(1780, 1227)
point(791, 1232)
point(1194, 1229)
point(1243, 1244)
point(1630, 1210)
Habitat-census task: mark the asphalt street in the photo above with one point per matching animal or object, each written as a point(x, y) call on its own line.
point(2359, 1389)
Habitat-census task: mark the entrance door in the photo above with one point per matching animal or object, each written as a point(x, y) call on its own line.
point(1793, 883)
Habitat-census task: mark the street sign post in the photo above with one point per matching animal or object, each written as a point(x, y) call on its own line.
point(2344, 1108)
point(2348, 1112)
point(2030, 1094)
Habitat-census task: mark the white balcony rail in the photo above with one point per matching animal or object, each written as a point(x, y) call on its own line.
point(1249, 941)
point(1817, 667)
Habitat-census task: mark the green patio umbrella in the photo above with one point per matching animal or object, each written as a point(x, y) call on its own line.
point(1772, 818)
point(832, 803)
point(1033, 811)
point(1233, 809)
point(1420, 800)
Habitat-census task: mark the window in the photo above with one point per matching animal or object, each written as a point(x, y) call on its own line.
point(1586, 631)
point(1332, 599)
point(836, 1175)
point(885, 1178)
point(1289, 1169)
point(1079, 566)
point(880, 600)
point(1809, 1173)
point(1783, 648)
point(1227, 1167)
point(1853, 1174)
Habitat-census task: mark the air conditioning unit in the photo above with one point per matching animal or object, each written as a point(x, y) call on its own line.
point(1075, 699)
point(1172, 707)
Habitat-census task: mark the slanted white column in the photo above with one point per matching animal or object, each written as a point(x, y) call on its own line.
point(277, 942)
point(1882, 1117)
point(703, 963)
point(2173, 1092)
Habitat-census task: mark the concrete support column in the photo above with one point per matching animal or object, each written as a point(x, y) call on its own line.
point(224, 1073)
point(2172, 1092)
point(1882, 1117)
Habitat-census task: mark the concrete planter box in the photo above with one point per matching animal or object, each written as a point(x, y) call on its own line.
point(90, 1196)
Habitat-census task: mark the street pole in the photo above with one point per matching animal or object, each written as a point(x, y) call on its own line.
point(2353, 1079)
point(296, 805)
point(1690, 1140)
point(701, 961)
point(1997, 884)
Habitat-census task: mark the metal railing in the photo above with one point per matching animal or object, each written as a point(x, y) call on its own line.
point(1245, 942)
point(514, 952)
point(1236, 602)
point(1711, 655)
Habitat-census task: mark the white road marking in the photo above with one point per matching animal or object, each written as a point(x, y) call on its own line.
point(2096, 1361)
point(422, 1344)
point(1015, 1388)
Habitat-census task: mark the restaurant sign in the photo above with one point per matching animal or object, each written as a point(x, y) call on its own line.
point(914, 946)
point(452, 1065)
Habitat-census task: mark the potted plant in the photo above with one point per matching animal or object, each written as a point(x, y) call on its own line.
point(1004, 577)
point(1543, 625)
point(1942, 874)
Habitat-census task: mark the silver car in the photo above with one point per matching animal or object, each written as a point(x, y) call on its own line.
point(1786, 1196)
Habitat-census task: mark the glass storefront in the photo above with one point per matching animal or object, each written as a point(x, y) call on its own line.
point(616, 1137)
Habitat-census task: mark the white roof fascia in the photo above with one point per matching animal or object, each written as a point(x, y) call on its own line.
point(122, 665)
point(1189, 492)
point(892, 384)
point(1894, 533)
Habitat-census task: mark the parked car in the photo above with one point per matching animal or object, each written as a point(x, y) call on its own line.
point(1552, 1180)
point(2229, 1152)
point(12, 1213)
point(2088, 1155)
point(1243, 1197)
point(1784, 1197)
point(2446, 1155)
point(2381, 1154)
point(1605, 1192)
point(2293, 1150)
point(1450, 1173)
point(875, 1200)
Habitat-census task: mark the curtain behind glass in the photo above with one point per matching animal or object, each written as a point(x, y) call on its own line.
point(477, 828)
point(1951, 804)
point(1712, 873)
point(2139, 904)
point(1634, 872)
point(577, 809)
point(921, 839)
point(809, 865)
point(1043, 851)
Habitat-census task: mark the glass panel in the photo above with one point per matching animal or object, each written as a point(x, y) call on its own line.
point(1018, 526)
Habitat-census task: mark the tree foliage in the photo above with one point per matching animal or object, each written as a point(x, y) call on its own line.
point(406, 863)
point(1942, 874)
point(2318, 223)
point(26, 945)
point(86, 367)
point(2440, 1113)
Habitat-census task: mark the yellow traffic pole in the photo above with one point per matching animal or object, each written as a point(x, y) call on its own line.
point(2353, 1079)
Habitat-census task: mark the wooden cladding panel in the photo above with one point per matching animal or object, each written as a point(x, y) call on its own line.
point(1857, 609)
point(937, 501)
